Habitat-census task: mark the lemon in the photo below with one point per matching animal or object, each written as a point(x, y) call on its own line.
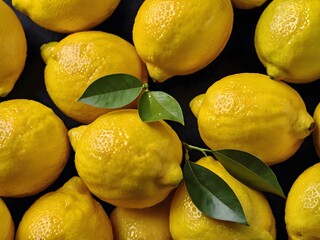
point(81, 58)
point(302, 214)
point(250, 112)
point(67, 16)
point(125, 161)
point(247, 4)
point(287, 40)
point(316, 133)
point(6, 222)
point(142, 224)
point(34, 147)
point(188, 223)
point(176, 37)
point(13, 49)
point(68, 213)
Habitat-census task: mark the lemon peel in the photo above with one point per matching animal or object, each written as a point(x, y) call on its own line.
point(67, 213)
point(187, 222)
point(181, 37)
point(79, 59)
point(252, 113)
point(6, 222)
point(13, 48)
point(303, 204)
point(67, 16)
point(286, 40)
point(118, 145)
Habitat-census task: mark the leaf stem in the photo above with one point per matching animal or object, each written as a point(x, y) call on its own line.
point(204, 151)
point(145, 86)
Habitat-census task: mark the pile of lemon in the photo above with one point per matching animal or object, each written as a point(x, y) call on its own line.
point(136, 166)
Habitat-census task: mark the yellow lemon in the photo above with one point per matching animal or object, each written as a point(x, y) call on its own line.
point(250, 112)
point(189, 223)
point(176, 37)
point(302, 214)
point(81, 58)
point(68, 213)
point(287, 40)
point(316, 133)
point(6, 223)
point(127, 162)
point(13, 49)
point(247, 4)
point(67, 16)
point(142, 224)
point(34, 147)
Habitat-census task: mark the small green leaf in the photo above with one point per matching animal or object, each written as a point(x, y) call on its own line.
point(157, 105)
point(250, 170)
point(112, 91)
point(211, 195)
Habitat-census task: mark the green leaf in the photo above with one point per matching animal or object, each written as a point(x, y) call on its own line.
point(250, 170)
point(157, 105)
point(112, 91)
point(212, 195)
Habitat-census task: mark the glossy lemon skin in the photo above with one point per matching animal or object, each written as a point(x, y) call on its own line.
point(34, 147)
point(187, 222)
point(302, 206)
point(118, 145)
point(68, 213)
point(6, 222)
point(81, 58)
point(316, 133)
point(253, 113)
point(142, 224)
point(286, 40)
point(247, 4)
point(13, 49)
point(181, 37)
point(67, 16)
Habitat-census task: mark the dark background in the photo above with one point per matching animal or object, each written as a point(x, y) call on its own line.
point(238, 56)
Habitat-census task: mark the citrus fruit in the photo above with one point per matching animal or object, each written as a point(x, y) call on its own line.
point(6, 222)
point(34, 147)
point(67, 16)
point(302, 214)
point(247, 4)
point(286, 40)
point(316, 133)
point(13, 49)
point(181, 37)
point(187, 222)
point(81, 58)
point(142, 224)
point(127, 162)
point(67, 213)
point(252, 113)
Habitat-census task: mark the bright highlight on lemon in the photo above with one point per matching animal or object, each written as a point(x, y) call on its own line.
point(81, 58)
point(13, 49)
point(127, 162)
point(187, 222)
point(252, 113)
point(34, 147)
point(287, 40)
point(67, 16)
point(178, 37)
point(145, 223)
point(302, 214)
point(68, 213)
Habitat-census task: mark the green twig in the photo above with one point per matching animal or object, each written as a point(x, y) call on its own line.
point(204, 151)
point(145, 86)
